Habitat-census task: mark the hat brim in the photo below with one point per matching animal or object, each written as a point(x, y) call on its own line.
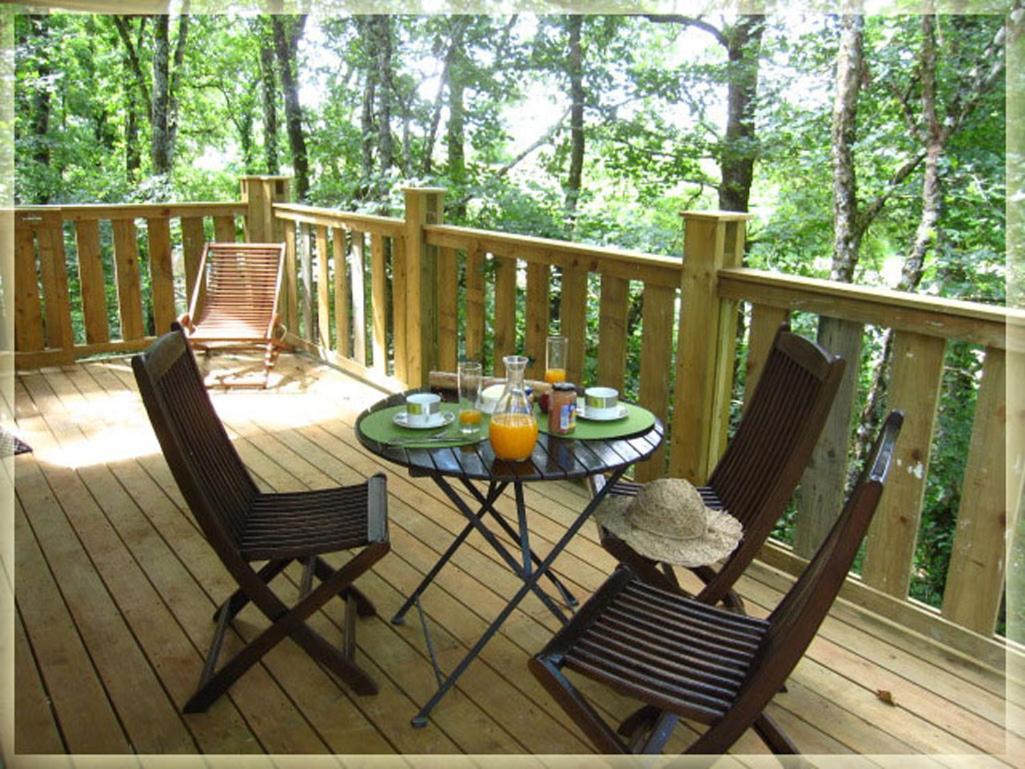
point(722, 536)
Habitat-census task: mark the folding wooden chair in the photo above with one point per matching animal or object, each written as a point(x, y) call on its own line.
point(244, 525)
point(687, 659)
point(762, 465)
point(235, 300)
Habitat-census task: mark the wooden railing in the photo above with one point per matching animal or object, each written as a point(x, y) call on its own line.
point(390, 299)
point(922, 327)
point(129, 246)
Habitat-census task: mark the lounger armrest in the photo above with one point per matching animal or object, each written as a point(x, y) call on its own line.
point(186, 322)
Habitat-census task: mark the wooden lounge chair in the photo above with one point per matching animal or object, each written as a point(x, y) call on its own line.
point(757, 475)
point(244, 525)
point(687, 659)
point(235, 300)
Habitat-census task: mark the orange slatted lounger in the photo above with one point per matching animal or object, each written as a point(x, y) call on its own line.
point(235, 300)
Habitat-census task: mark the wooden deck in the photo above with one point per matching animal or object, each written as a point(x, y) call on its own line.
point(115, 587)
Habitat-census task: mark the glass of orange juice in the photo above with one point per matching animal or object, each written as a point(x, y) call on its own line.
point(513, 427)
point(555, 359)
point(469, 376)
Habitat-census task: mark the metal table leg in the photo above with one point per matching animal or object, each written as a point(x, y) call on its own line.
point(529, 583)
point(489, 505)
point(494, 492)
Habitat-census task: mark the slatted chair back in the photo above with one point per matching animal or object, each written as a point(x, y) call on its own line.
point(203, 460)
point(236, 295)
point(763, 463)
point(796, 619)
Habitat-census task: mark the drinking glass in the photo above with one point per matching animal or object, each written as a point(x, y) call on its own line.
point(555, 360)
point(469, 376)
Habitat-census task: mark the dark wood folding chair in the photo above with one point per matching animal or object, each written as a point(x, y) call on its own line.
point(762, 465)
point(244, 525)
point(687, 659)
point(234, 304)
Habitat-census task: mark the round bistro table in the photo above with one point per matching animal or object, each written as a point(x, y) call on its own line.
point(553, 459)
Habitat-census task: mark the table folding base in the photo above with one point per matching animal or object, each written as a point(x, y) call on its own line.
point(525, 570)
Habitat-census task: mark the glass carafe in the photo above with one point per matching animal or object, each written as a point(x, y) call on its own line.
point(513, 429)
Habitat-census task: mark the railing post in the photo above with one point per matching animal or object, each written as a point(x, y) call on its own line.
point(260, 193)
point(707, 342)
point(424, 205)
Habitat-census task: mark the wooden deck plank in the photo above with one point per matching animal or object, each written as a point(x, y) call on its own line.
point(35, 723)
point(294, 437)
point(88, 720)
point(147, 715)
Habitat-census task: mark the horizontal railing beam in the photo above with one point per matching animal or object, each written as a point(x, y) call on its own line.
point(989, 325)
point(327, 217)
point(632, 265)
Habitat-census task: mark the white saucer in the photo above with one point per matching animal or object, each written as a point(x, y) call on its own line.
point(440, 420)
point(619, 413)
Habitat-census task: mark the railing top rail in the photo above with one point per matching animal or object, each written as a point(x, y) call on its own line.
point(329, 217)
point(93, 211)
point(990, 325)
point(658, 270)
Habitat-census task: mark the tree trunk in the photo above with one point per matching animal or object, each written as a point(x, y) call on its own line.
point(160, 149)
point(270, 109)
point(285, 43)
point(367, 126)
point(385, 147)
point(739, 149)
point(453, 60)
point(575, 70)
point(39, 26)
point(849, 72)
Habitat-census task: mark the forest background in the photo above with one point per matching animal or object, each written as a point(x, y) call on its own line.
point(869, 149)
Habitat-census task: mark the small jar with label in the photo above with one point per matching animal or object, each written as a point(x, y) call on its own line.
point(562, 409)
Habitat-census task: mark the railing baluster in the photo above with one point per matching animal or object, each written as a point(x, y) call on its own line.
point(291, 283)
point(538, 280)
point(505, 310)
point(50, 234)
point(475, 304)
point(90, 276)
point(656, 363)
point(161, 275)
point(28, 322)
point(359, 300)
point(193, 239)
point(323, 283)
point(573, 319)
point(342, 298)
point(448, 300)
point(224, 229)
point(915, 388)
point(398, 308)
point(615, 300)
point(975, 577)
point(379, 302)
point(307, 278)
point(129, 294)
point(765, 321)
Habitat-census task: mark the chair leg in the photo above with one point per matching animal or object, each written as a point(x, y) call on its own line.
point(576, 707)
point(289, 622)
point(774, 736)
point(364, 606)
point(238, 600)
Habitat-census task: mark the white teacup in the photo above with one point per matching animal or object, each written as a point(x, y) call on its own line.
point(601, 402)
point(421, 408)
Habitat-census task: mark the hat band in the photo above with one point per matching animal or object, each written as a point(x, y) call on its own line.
point(670, 535)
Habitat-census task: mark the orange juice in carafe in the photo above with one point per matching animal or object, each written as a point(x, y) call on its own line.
point(513, 429)
point(513, 435)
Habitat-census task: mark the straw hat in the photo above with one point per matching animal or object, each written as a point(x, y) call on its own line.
point(668, 521)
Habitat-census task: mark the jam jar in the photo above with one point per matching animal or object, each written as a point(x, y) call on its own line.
point(562, 409)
